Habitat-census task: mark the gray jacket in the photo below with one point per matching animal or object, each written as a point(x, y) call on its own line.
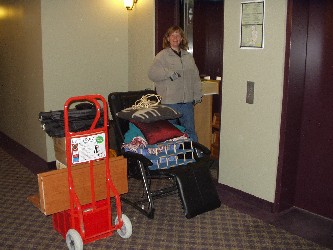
point(186, 88)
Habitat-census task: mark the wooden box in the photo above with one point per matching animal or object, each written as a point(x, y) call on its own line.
point(203, 120)
point(203, 112)
point(54, 196)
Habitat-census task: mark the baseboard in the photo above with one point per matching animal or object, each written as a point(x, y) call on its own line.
point(27, 158)
point(245, 202)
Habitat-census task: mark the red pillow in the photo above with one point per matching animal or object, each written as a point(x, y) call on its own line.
point(158, 131)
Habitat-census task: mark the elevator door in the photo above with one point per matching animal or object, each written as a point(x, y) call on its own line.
point(314, 184)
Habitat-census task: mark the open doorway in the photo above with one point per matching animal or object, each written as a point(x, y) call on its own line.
point(207, 18)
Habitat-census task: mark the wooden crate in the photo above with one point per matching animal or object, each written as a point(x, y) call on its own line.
point(53, 194)
point(215, 146)
point(215, 151)
point(216, 138)
point(216, 121)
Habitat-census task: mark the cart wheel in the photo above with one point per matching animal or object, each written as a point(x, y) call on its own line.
point(126, 229)
point(74, 240)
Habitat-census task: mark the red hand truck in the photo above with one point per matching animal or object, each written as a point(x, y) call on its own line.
point(82, 224)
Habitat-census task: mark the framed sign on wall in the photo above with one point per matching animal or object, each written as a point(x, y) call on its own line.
point(252, 24)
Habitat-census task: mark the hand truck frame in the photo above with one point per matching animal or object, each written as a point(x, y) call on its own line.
point(82, 224)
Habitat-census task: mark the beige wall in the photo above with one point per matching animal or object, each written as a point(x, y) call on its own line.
point(85, 51)
point(21, 74)
point(57, 49)
point(250, 132)
point(141, 44)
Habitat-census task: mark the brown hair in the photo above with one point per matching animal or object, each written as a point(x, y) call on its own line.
point(183, 44)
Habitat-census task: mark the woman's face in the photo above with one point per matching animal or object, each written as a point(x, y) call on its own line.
point(175, 39)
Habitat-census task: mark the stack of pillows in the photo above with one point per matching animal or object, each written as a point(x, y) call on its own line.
point(153, 123)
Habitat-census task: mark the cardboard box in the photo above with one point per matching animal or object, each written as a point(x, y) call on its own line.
point(59, 145)
point(210, 87)
point(60, 165)
point(54, 195)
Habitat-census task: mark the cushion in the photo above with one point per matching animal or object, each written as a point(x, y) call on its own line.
point(158, 131)
point(151, 114)
point(134, 131)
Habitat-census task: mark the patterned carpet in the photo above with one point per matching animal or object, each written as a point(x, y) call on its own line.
point(22, 226)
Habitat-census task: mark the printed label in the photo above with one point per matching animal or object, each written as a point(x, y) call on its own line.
point(87, 148)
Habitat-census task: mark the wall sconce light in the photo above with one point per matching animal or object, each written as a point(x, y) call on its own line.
point(129, 4)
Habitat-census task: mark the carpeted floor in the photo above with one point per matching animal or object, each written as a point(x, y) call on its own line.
point(24, 227)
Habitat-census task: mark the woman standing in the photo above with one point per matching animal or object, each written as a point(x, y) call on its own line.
point(176, 78)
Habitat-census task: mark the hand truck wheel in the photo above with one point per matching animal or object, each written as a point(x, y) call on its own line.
point(74, 240)
point(126, 230)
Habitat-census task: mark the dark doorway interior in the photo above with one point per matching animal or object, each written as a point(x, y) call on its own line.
point(207, 34)
point(167, 13)
point(208, 37)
